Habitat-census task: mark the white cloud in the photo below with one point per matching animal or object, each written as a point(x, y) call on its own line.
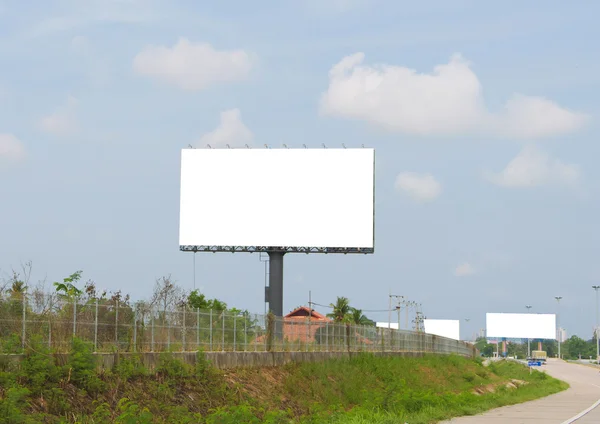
point(421, 187)
point(464, 269)
point(532, 168)
point(192, 66)
point(62, 122)
point(448, 101)
point(231, 130)
point(11, 148)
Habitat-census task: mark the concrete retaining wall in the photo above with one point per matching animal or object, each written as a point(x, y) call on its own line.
point(221, 360)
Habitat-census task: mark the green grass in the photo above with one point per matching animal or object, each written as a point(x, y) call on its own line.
point(364, 389)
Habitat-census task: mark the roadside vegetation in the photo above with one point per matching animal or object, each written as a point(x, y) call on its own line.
point(364, 389)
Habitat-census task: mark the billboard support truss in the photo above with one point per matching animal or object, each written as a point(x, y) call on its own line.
point(282, 249)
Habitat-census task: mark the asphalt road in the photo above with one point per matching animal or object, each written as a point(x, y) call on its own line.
point(578, 404)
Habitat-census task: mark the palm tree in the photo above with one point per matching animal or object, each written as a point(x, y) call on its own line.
point(357, 317)
point(341, 308)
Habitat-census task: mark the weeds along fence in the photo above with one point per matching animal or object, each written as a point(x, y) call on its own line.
point(119, 326)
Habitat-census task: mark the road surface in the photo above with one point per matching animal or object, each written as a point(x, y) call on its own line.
point(579, 404)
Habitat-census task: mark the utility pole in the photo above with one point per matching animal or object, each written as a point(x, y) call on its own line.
point(528, 339)
point(390, 310)
point(558, 319)
point(467, 320)
point(596, 329)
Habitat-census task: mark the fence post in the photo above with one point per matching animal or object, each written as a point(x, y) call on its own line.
point(307, 331)
point(270, 331)
point(210, 331)
point(234, 331)
point(74, 315)
point(24, 318)
point(152, 332)
point(326, 336)
point(96, 328)
point(135, 328)
point(49, 334)
point(168, 332)
point(183, 335)
point(117, 323)
point(245, 331)
point(197, 328)
point(223, 332)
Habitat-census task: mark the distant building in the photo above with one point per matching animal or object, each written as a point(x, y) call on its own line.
point(562, 335)
point(302, 324)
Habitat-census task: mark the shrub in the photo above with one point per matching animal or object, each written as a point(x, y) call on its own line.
point(130, 367)
point(82, 363)
point(39, 369)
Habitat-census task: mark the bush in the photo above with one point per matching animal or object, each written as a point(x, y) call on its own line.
point(39, 369)
point(130, 367)
point(82, 364)
point(169, 366)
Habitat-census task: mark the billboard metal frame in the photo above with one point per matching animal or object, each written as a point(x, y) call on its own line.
point(274, 291)
point(281, 249)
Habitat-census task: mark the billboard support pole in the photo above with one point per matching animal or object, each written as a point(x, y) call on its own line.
point(276, 282)
point(276, 290)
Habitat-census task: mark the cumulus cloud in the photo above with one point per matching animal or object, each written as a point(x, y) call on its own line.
point(231, 130)
point(532, 168)
point(11, 148)
point(447, 101)
point(192, 66)
point(464, 269)
point(63, 121)
point(421, 187)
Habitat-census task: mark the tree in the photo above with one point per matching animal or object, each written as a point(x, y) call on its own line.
point(341, 308)
point(67, 289)
point(357, 317)
point(485, 348)
point(197, 300)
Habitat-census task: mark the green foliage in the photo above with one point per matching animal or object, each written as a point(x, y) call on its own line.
point(197, 300)
point(12, 344)
point(67, 288)
point(233, 415)
point(130, 367)
point(82, 364)
point(131, 413)
point(12, 405)
point(169, 366)
point(38, 368)
point(341, 309)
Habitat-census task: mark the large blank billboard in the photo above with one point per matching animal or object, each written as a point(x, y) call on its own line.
point(320, 198)
point(449, 328)
point(521, 326)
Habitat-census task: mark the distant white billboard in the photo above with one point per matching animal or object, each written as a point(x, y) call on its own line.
point(393, 325)
point(321, 198)
point(521, 326)
point(449, 328)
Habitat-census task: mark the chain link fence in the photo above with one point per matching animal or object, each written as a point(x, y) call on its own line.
point(114, 326)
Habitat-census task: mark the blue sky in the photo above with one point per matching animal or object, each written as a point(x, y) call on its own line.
point(485, 151)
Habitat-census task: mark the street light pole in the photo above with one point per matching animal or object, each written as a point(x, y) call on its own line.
point(596, 329)
point(558, 323)
point(528, 339)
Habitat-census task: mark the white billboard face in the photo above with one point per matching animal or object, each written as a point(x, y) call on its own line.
point(521, 326)
point(449, 328)
point(392, 325)
point(277, 197)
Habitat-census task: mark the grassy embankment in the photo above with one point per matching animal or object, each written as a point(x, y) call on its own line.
point(365, 389)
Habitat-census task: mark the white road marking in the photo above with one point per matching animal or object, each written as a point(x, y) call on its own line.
point(582, 413)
